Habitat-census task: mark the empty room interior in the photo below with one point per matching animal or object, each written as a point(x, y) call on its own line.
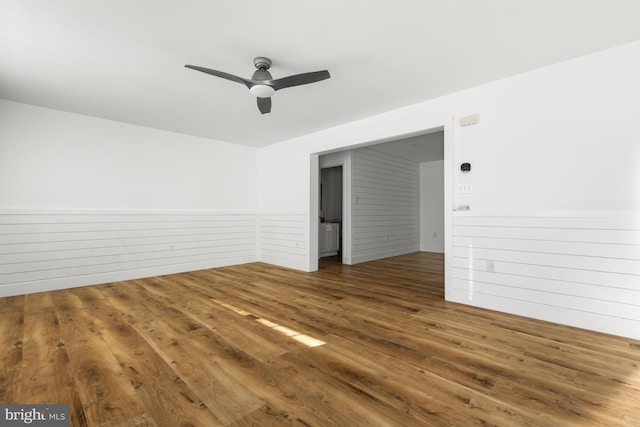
point(423, 213)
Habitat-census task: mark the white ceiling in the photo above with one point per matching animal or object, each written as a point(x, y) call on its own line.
point(124, 60)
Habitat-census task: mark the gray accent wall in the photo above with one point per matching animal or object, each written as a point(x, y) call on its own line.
point(385, 205)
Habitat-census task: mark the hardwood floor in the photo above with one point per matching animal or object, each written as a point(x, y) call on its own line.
point(257, 345)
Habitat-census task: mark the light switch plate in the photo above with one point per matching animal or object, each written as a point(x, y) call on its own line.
point(464, 188)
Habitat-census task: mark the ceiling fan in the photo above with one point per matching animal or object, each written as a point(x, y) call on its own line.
point(262, 85)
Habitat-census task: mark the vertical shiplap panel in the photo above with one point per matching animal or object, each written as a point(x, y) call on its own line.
point(284, 239)
point(52, 250)
point(386, 205)
point(581, 271)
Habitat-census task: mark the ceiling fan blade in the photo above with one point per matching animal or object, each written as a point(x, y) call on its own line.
point(299, 79)
point(264, 105)
point(248, 83)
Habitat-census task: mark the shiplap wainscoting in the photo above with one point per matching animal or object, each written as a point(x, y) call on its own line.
point(53, 250)
point(283, 238)
point(386, 205)
point(580, 271)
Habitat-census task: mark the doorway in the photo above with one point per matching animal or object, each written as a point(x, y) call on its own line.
point(436, 231)
point(330, 213)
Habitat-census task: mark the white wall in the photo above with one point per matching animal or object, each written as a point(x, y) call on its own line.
point(50, 159)
point(85, 200)
point(432, 206)
point(283, 239)
point(560, 142)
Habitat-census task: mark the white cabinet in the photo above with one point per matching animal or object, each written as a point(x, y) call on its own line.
point(329, 238)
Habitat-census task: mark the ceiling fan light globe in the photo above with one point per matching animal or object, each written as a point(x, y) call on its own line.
point(262, 91)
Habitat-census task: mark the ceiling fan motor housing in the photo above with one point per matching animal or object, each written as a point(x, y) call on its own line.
point(261, 91)
point(262, 63)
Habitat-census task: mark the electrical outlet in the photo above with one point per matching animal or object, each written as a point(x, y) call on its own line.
point(491, 266)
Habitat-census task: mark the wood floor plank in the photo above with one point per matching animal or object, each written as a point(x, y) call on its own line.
point(264, 304)
point(11, 343)
point(224, 347)
point(439, 405)
point(48, 377)
point(108, 398)
point(565, 408)
point(207, 310)
point(240, 365)
point(267, 416)
point(174, 336)
point(347, 400)
point(164, 394)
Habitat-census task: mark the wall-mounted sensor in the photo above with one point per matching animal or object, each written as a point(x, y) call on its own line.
point(465, 167)
point(470, 120)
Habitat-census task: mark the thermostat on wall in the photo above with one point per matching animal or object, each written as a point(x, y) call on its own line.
point(465, 167)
